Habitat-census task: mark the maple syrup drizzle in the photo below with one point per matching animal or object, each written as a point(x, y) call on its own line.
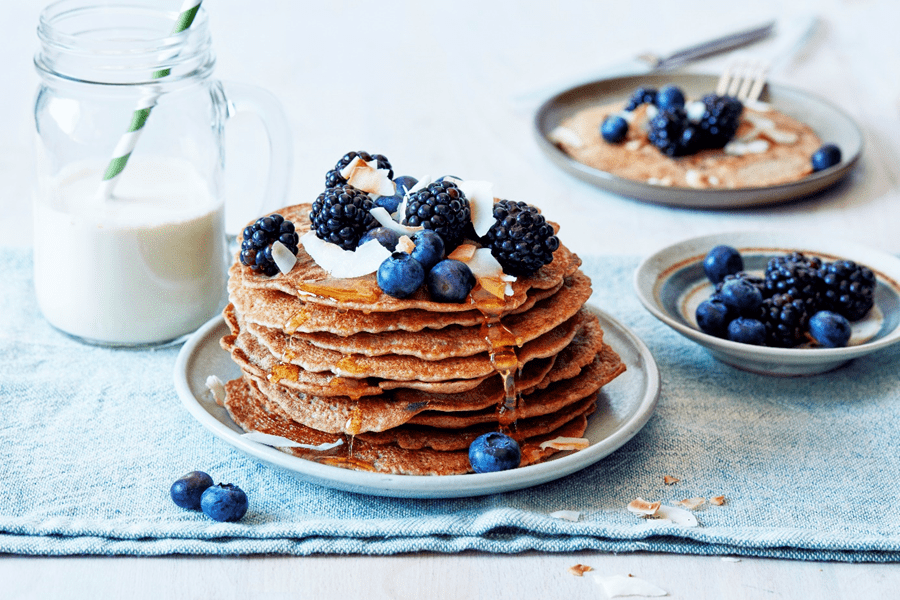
point(359, 290)
point(284, 371)
point(502, 343)
point(296, 320)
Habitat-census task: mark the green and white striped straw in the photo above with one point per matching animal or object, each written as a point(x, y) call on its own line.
point(139, 117)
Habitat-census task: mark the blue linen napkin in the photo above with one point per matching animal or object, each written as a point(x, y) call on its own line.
point(92, 438)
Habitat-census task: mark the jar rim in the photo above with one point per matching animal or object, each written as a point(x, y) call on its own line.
point(121, 43)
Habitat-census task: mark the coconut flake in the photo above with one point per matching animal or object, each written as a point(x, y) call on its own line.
point(695, 110)
point(564, 135)
point(277, 441)
point(691, 503)
point(639, 506)
point(717, 500)
point(626, 585)
point(463, 252)
point(345, 263)
point(628, 115)
point(405, 244)
point(384, 219)
point(284, 258)
point(566, 443)
point(579, 570)
point(215, 385)
point(566, 515)
point(694, 178)
point(423, 183)
point(356, 162)
point(739, 148)
point(634, 145)
point(481, 204)
point(669, 480)
point(678, 516)
point(370, 180)
point(489, 273)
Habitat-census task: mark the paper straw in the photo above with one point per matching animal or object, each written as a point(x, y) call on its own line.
point(139, 118)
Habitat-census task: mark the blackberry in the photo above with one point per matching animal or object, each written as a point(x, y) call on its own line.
point(786, 320)
point(720, 120)
point(666, 129)
point(642, 95)
point(333, 177)
point(520, 239)
point(797, 275)
point(847, 288)
point(256, 247)
point(443, 208)
point(340, 215)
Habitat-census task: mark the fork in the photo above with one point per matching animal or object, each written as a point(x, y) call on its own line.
point(744, 79)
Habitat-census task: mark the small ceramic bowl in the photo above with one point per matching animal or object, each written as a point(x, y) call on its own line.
point(671, 284)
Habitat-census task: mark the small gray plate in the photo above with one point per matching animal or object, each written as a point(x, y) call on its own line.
point(671, 284)
point(830, 123)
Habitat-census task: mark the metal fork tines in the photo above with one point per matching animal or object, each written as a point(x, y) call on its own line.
point(743, 79)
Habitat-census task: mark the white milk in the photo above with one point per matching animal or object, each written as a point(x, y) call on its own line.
point(145, 267)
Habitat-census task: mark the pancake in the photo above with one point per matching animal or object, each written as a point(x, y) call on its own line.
point(789, 145)
point(407, 384)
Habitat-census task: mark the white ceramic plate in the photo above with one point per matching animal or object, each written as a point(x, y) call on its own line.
point(671, 284)
point(830, 123)
point(624, 406)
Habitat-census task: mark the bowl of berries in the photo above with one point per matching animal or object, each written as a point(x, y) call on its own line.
point(775, 303)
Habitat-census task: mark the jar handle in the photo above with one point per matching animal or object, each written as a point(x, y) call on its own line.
point(242, 98)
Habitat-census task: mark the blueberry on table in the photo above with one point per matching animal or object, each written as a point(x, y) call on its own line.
point(827, 156)
point(829, 329)
point(670, 96)
point(187, 489)
point(747, 331)
point(614, 129)
point(721, 261)
point(450, 281)
point(713, 317)
point(386, 237)
point(494, 452)
point(429, 248)
point(400, 275)
point(224, 502)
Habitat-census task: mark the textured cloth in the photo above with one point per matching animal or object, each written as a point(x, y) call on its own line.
point(92, 438)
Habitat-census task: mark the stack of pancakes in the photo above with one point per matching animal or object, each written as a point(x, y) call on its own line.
point(407, 385)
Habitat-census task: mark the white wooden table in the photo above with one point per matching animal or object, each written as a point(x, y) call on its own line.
point(437, 97)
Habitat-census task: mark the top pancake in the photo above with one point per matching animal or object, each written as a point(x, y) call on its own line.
point(308, 281)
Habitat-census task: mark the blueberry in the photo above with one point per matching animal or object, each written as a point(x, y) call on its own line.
point(224, 502)
point(404, 183)
point(713, 317)
point(670, 96)
point(747, 331)
point(829, 329)
point(721, 261)
point(450, 281)
point(429, 248)
point(826, 156)
point(386, 237)
point(494, 452)
point(400, 275)
point(741, 295)
point(390, 203)
point(614, 129)
point(187, 489)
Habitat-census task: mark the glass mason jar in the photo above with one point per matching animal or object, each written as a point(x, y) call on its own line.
point(139, 258)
